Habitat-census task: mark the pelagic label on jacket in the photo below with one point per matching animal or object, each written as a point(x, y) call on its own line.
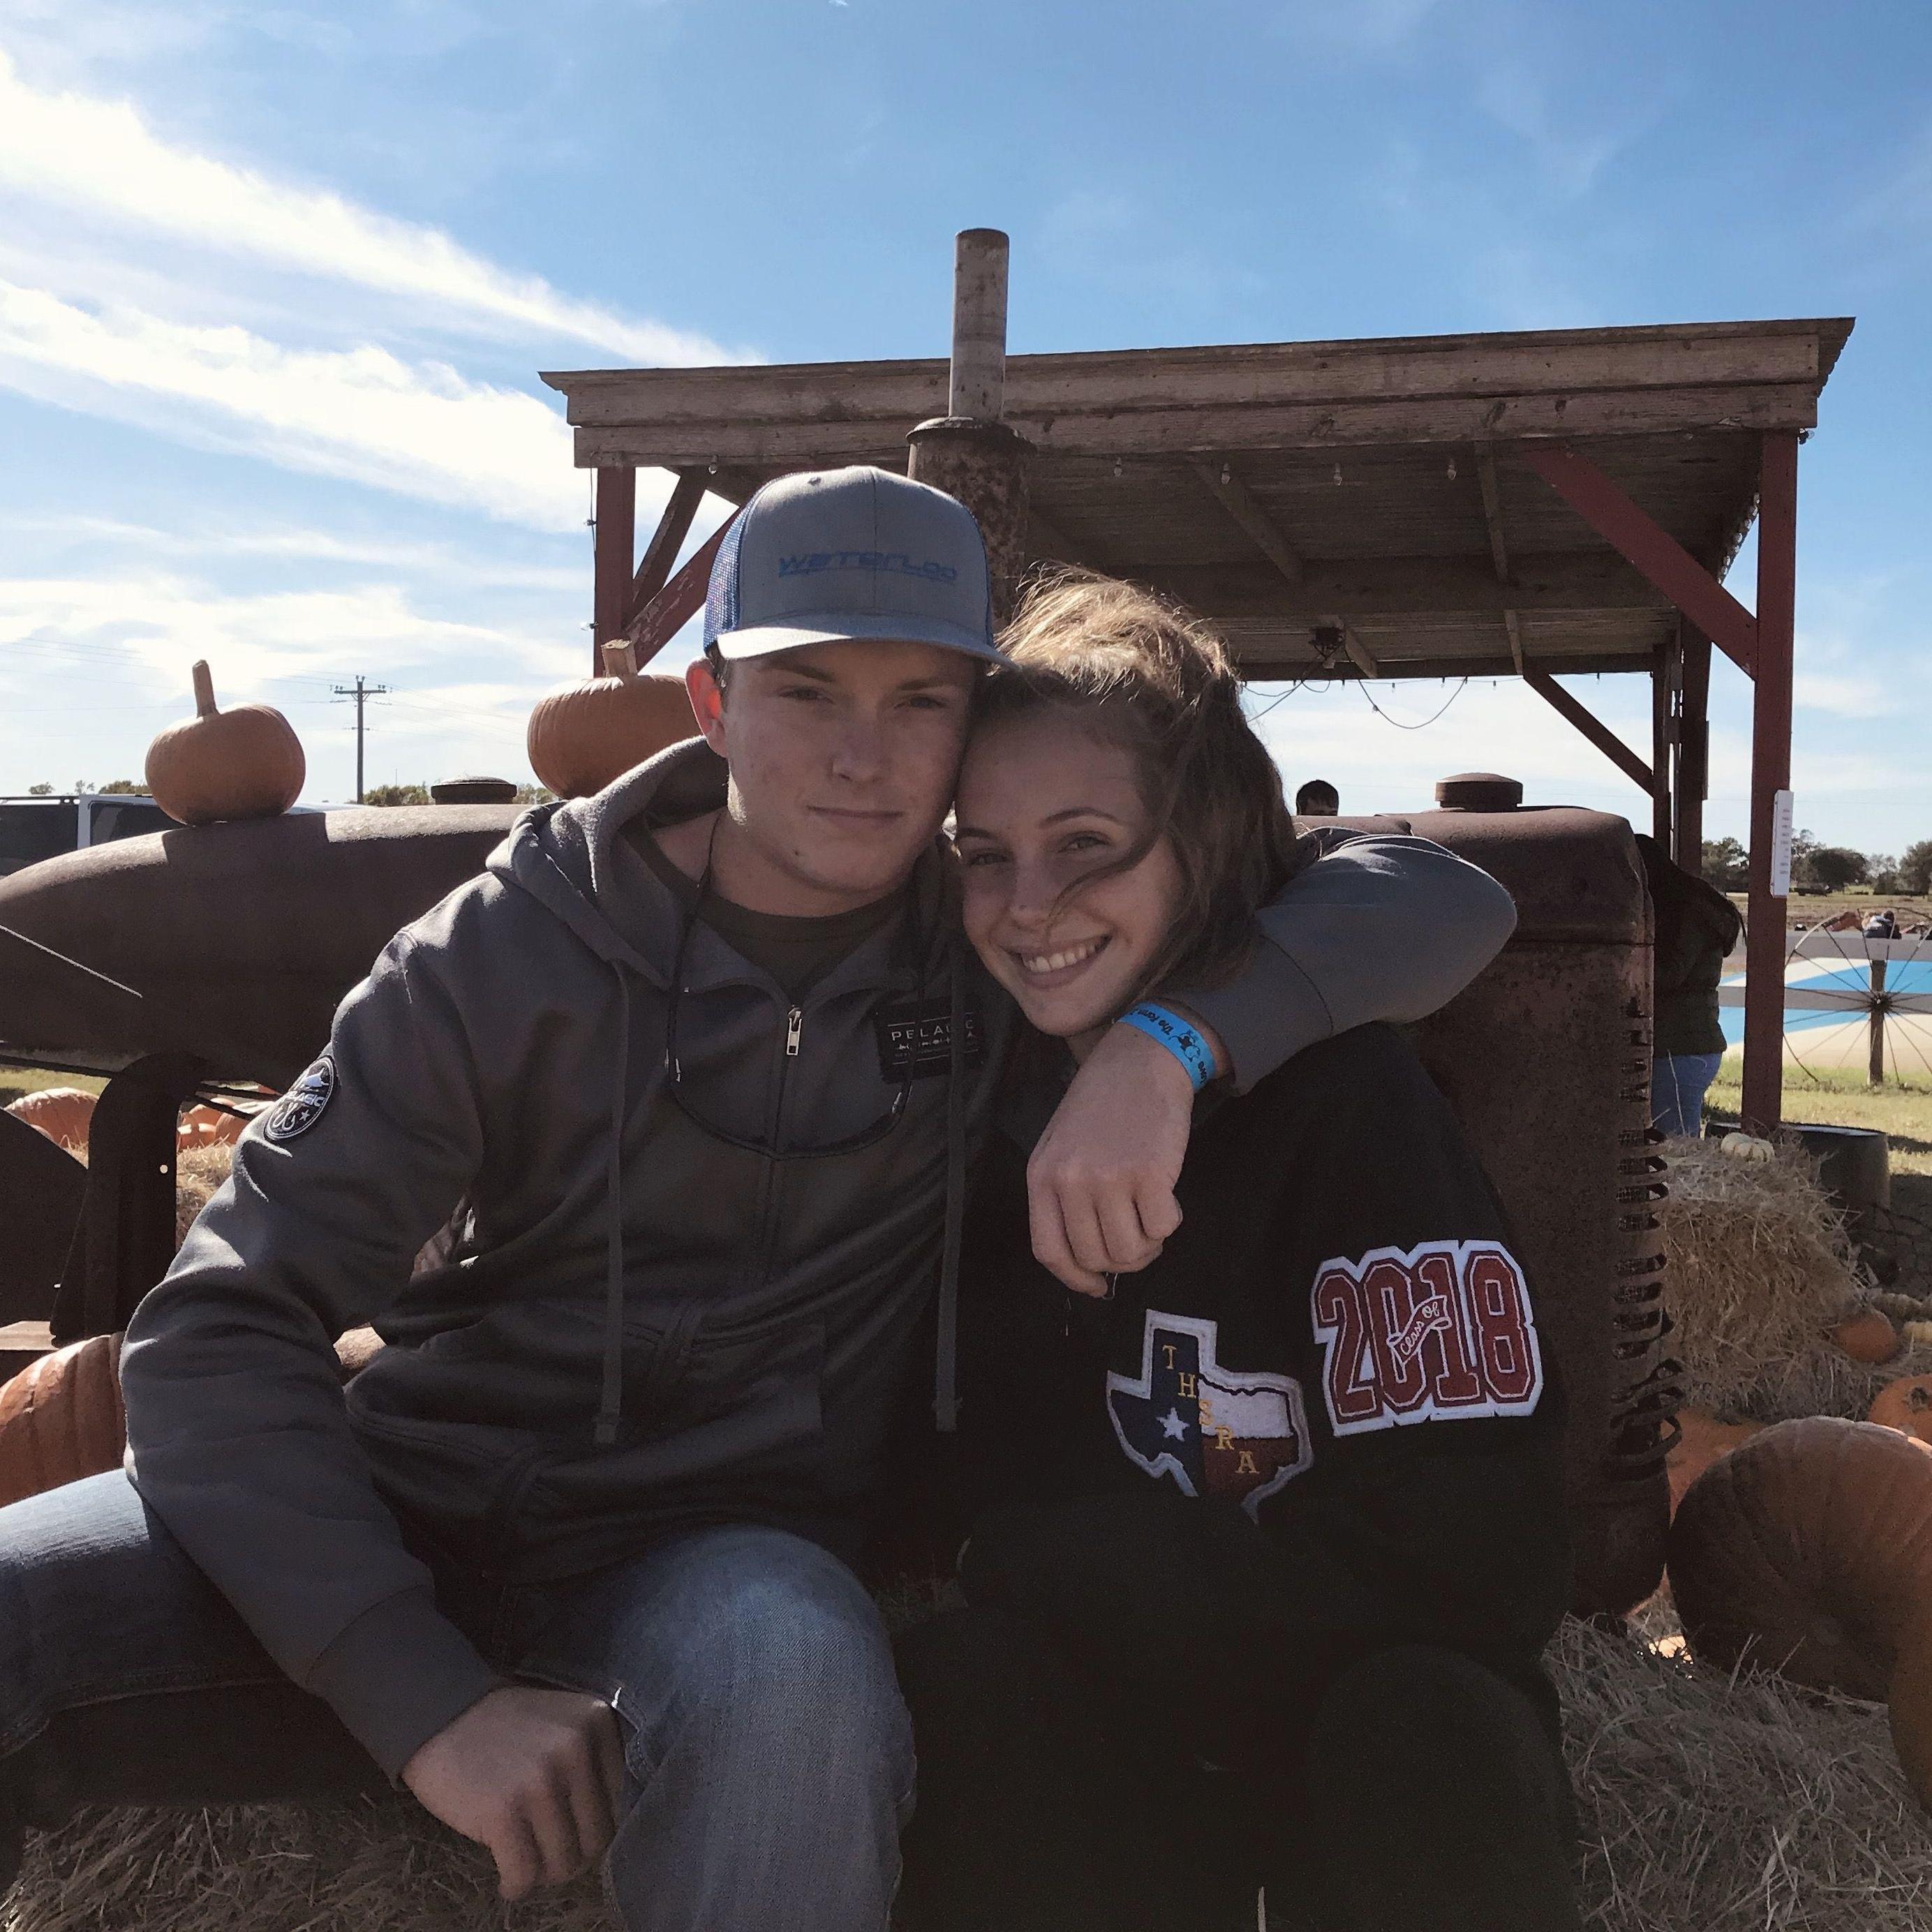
point(1432, 1333)
point(916, 1038)
point(1217, 1431)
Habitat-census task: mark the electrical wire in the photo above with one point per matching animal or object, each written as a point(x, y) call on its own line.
point(1362, 686)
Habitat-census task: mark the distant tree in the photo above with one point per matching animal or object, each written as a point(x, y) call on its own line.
point(1915, 868)
point(534, 794)
point(1726, 864)
point(41, 790)
point(1883, 870)
point(397, 794)
point(121, 787)
point(1833, 868)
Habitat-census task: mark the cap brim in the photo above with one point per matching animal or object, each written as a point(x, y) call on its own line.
point(759, 641)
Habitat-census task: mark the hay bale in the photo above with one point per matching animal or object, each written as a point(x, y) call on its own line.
point(198, 1172)
point(1706, 1801)
point(1733, 1804)
point(379, 1865)
point(1760, 1266)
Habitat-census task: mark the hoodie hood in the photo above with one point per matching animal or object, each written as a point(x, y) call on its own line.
point(568, 856)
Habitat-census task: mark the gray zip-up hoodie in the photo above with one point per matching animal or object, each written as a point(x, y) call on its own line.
point(696, 1234)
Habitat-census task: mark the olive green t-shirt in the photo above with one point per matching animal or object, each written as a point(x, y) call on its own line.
point(797, 953)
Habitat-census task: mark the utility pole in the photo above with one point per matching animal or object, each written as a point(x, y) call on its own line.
point(360, 692)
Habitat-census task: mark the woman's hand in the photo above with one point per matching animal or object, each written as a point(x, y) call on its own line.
point(1100, 1184)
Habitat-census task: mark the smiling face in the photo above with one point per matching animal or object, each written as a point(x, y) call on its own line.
point(1044, 801)
point(842, 761)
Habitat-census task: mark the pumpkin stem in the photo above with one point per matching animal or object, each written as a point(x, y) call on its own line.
point(204, 690)
point(1917, 1399)
point(620, 660)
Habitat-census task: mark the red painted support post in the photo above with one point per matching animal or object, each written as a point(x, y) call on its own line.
point(1663, 695)
point(1771, 774)
point(616, 558)
point(1693, 749)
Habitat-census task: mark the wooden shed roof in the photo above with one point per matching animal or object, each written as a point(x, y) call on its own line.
point(1280, 487)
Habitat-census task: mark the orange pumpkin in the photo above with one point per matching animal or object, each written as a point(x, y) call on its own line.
point(208, 1126)
point(60, 1419)
point(1910, 1697)
point(1703, 1439)
point(243, 763)
point(1808, 1550)
point(581, 736)
point(1868, 1336)
point(63, 1114)
point(1907, 1404)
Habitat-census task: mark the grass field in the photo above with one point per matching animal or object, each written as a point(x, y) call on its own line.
point(15, 1080)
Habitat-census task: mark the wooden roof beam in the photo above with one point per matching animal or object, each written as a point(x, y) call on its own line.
point(1182, 429)
point(1343, 592)
point(1238, 500)
point(1652, 549)
point(667, 540)
point(1593, 727)
point(1047, 540)
point(1493, 520)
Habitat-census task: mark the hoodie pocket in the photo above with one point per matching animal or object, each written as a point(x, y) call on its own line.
point(717, 1418)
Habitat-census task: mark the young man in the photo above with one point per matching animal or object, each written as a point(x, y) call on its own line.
point(698, 1065)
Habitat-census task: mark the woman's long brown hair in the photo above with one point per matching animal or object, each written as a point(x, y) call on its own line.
point(1148, 676)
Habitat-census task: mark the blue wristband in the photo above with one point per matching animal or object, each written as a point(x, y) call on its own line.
point(1179, 1038)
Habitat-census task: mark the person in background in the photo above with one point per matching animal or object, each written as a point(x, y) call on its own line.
point(1694, 928)
point(1318, 798)
point(1882, 925)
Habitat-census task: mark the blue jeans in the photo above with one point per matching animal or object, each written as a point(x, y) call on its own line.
point(769, 1756)
point(1678, 1081)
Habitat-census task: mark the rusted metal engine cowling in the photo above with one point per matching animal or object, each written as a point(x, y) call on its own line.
point(1545, 1059)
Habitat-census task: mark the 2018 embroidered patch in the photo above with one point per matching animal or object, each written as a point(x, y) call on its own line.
point(1216, 1431)
point(1428, 1334)
point(301, 1107)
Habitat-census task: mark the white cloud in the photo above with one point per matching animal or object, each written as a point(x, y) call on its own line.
point(100, 157)
point(91, 667)
point(480, 569)
point(362, 414)
point(1360, 26)
point(1843, 697)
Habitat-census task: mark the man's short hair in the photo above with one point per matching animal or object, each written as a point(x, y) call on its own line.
point(1318, 798)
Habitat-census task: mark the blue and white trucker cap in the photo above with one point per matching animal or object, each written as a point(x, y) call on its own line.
point(820, 557)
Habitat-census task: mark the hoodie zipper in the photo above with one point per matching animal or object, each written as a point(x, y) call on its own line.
point(768, 1211)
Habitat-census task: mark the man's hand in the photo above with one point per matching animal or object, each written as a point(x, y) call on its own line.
point(1100, 1184)
point(533, 1775)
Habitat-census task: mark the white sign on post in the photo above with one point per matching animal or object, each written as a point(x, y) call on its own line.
point(1780, 845)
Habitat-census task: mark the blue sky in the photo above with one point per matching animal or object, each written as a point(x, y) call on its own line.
point(275, 282)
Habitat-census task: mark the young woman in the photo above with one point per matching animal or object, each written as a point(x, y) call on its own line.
point(1271, 1539)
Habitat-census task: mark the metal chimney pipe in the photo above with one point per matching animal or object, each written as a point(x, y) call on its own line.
point(979, 380)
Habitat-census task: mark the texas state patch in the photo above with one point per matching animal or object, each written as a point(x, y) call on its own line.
point(1218, 1431)
point(301, 1106)
point(1423, 1334)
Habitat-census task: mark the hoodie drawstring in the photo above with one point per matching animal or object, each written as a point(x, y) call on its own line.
point(945, 1368)
point(611, 1408)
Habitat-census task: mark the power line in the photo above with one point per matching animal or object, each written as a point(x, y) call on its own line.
point(361, 692)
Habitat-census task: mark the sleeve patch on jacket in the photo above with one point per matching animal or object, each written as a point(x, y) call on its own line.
point(1442, 1330)
point(301, 1107)
point(1216, 1431)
